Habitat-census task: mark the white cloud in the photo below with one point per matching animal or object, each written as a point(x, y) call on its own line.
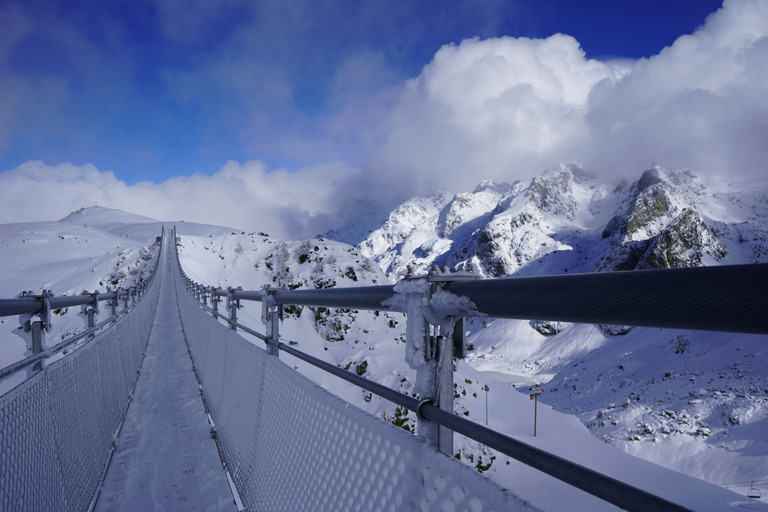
point(701, 103)
point(503, 108)
point(508, 108)
point(242, 196)
point(498, 108)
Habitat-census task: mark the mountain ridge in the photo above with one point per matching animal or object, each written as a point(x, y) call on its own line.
point(667, 218)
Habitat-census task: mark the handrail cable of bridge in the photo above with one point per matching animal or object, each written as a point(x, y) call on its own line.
point(729, 298)
point(29, 305)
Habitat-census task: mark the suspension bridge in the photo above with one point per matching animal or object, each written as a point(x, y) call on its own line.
point(165, 406)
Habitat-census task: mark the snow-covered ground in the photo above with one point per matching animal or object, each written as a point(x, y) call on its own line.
point(706, 418)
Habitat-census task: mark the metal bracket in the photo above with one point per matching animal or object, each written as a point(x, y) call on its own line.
point(215, 302)
point(113, 306)
point(44, 314)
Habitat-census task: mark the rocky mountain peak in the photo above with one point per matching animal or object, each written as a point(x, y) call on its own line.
point(553, 192)
point(557, 222)
point(490, 185)
point(650, 177)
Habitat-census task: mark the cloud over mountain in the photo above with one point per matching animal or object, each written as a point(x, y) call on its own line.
point(505, 108)
point(500, 108)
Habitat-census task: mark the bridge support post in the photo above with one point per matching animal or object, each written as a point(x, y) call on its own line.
point(35, 329)
point(271, 314)
point(444, 388)
point(434, 335)
point(233, 305)
point(429, 351)
point(215, 303)
point(89, 311)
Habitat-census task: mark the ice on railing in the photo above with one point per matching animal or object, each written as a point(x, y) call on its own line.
point(57, 427)
point(291, 445)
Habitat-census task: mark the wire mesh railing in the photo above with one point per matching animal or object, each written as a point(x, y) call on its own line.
point(730, 298)
point(58, 427)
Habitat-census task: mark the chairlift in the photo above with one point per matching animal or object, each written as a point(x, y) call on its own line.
point(753, 492)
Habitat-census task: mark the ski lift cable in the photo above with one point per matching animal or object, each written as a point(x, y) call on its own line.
point(744, 482)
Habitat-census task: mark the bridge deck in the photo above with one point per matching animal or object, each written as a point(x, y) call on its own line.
point(166, 459)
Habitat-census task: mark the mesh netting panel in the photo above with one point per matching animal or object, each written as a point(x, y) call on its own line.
point(56, 428)
point(291, 445)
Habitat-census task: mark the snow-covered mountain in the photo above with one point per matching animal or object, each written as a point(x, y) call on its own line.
point(692, 401)
point(562, 221)
point(567, 220)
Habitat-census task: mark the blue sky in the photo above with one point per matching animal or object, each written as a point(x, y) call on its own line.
point(155, 89)
point(296, 117)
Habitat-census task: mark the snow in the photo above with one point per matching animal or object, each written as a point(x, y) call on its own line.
point(56, 427)
point(731, 454)
point(366, 341)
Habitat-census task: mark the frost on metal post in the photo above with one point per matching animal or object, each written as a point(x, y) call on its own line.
point(90, 310)
point(233, 305)
point(215, 302)
point(431, 313)
point(33, 330)
point(271, 313)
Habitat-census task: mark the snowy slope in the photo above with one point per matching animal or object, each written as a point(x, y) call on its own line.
point(92, 249)
point(66, 259)
point(136, 227)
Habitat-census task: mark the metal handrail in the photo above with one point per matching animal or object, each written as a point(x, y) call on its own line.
point(600, 485)
point(29, 304)
point(34, 305)
point(728, 298)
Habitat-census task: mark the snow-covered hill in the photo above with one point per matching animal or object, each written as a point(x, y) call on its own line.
point(92, 249)
point(132, 226)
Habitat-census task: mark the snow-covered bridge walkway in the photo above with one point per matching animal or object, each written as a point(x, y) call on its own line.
point(166, 458)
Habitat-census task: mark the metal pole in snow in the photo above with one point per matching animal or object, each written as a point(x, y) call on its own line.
point(486, 388)
point(535, 397)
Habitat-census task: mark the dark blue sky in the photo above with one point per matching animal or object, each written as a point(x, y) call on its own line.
point(155, 89)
